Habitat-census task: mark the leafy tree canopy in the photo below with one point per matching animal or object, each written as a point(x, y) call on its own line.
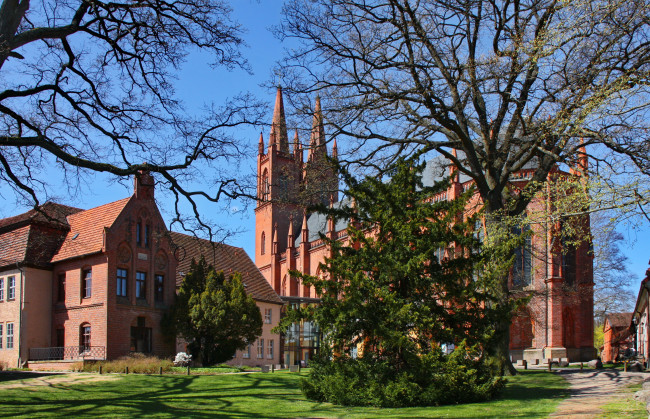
point(409, 279)
point(214, 314)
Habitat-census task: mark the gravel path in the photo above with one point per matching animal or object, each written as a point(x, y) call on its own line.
point(592, 389)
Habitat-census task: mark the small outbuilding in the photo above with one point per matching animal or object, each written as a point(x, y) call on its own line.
point(618, 337)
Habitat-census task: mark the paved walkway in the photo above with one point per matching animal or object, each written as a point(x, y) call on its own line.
point(592, 389)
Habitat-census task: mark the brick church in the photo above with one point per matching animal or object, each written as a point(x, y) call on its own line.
point(557, 322)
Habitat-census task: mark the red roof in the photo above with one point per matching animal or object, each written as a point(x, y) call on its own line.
point(224, 258)
point(34, 236)
point(618, 320)
point(13, 245)
point(86, 235)
point(50, 213)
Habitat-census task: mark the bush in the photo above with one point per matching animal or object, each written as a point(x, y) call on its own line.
point(137, 363)
point(432, 379)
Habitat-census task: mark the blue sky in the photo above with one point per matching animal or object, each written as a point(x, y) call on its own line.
point(199, 84)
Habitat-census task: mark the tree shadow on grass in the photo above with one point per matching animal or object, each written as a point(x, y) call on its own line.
point(6, 376)
point(160, 396)
point(542, 387)
point(240, 396)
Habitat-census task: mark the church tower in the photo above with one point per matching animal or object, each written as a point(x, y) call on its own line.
point(320, 184)
point(279, 174)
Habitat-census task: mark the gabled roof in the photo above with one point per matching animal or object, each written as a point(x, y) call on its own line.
point(13, 245)
point(617, 320)
point(31, 238)
point(86, 235)
point(50, 213)
point(224, 258)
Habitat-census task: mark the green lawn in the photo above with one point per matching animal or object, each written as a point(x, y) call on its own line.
point(626, 407)
point(530, 394)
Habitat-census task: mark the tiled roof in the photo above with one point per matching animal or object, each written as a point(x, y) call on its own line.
point(224, 258)
point(619, 319)
point(34, 236)
point(86, 235)
point(13, 245)
point(50, 212)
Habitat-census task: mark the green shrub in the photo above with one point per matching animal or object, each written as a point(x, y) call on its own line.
point(432, 379)
point(137, 363)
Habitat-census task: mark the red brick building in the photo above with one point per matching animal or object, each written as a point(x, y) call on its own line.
point(94, 284)
point(618, 336)
point(106, 276)
point(557, 323)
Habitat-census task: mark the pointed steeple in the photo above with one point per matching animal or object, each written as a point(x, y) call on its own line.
point(317, 140)
point(278, 137)
point(274, 240)
point(330, 219)
point(297, 150)
point(290, 234)
point(305, 229)
point(335, 150)
point(261, 144)
point(453, 169)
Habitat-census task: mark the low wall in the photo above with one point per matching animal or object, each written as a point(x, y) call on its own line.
point(51, 365)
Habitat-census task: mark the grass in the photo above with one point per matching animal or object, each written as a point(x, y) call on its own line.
point(626, 407)
point(219, 369)
point(530, 394)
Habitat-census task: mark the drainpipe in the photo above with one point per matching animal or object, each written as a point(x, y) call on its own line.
point(546, 251)
point(20, 313)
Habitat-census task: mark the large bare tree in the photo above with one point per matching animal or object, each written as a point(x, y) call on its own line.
point(510, 84)
point(87, 85)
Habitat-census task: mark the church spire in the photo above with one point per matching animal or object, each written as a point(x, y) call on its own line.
point(317, 141)
point(335, 150)
point(290, 234)
point(261, 143)
point(278, 137)
point(297, 150)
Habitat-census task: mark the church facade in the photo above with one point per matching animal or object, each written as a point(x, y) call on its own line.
point(558, 277)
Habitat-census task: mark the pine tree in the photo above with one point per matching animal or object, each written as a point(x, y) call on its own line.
point(411, 277)
point(214, 315)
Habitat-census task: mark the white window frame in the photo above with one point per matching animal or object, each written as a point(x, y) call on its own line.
point(10, 335)
point(11, 288)
point(260, 349)
point(1, 336)
point(2, 289)
point(247, 353)
point(270, 349)
point(268, 315)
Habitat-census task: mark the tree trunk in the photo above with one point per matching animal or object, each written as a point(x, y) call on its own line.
point(501, 348)
point(11, 14)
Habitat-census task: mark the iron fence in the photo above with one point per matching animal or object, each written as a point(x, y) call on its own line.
point(68, 353)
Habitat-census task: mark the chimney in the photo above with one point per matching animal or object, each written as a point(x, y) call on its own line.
point(143, 185)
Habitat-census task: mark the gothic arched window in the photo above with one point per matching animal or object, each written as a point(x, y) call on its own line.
point(263, 243)
point(265, 189)
point(522, 271)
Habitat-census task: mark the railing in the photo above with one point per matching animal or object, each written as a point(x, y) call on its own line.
point(67, 353)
